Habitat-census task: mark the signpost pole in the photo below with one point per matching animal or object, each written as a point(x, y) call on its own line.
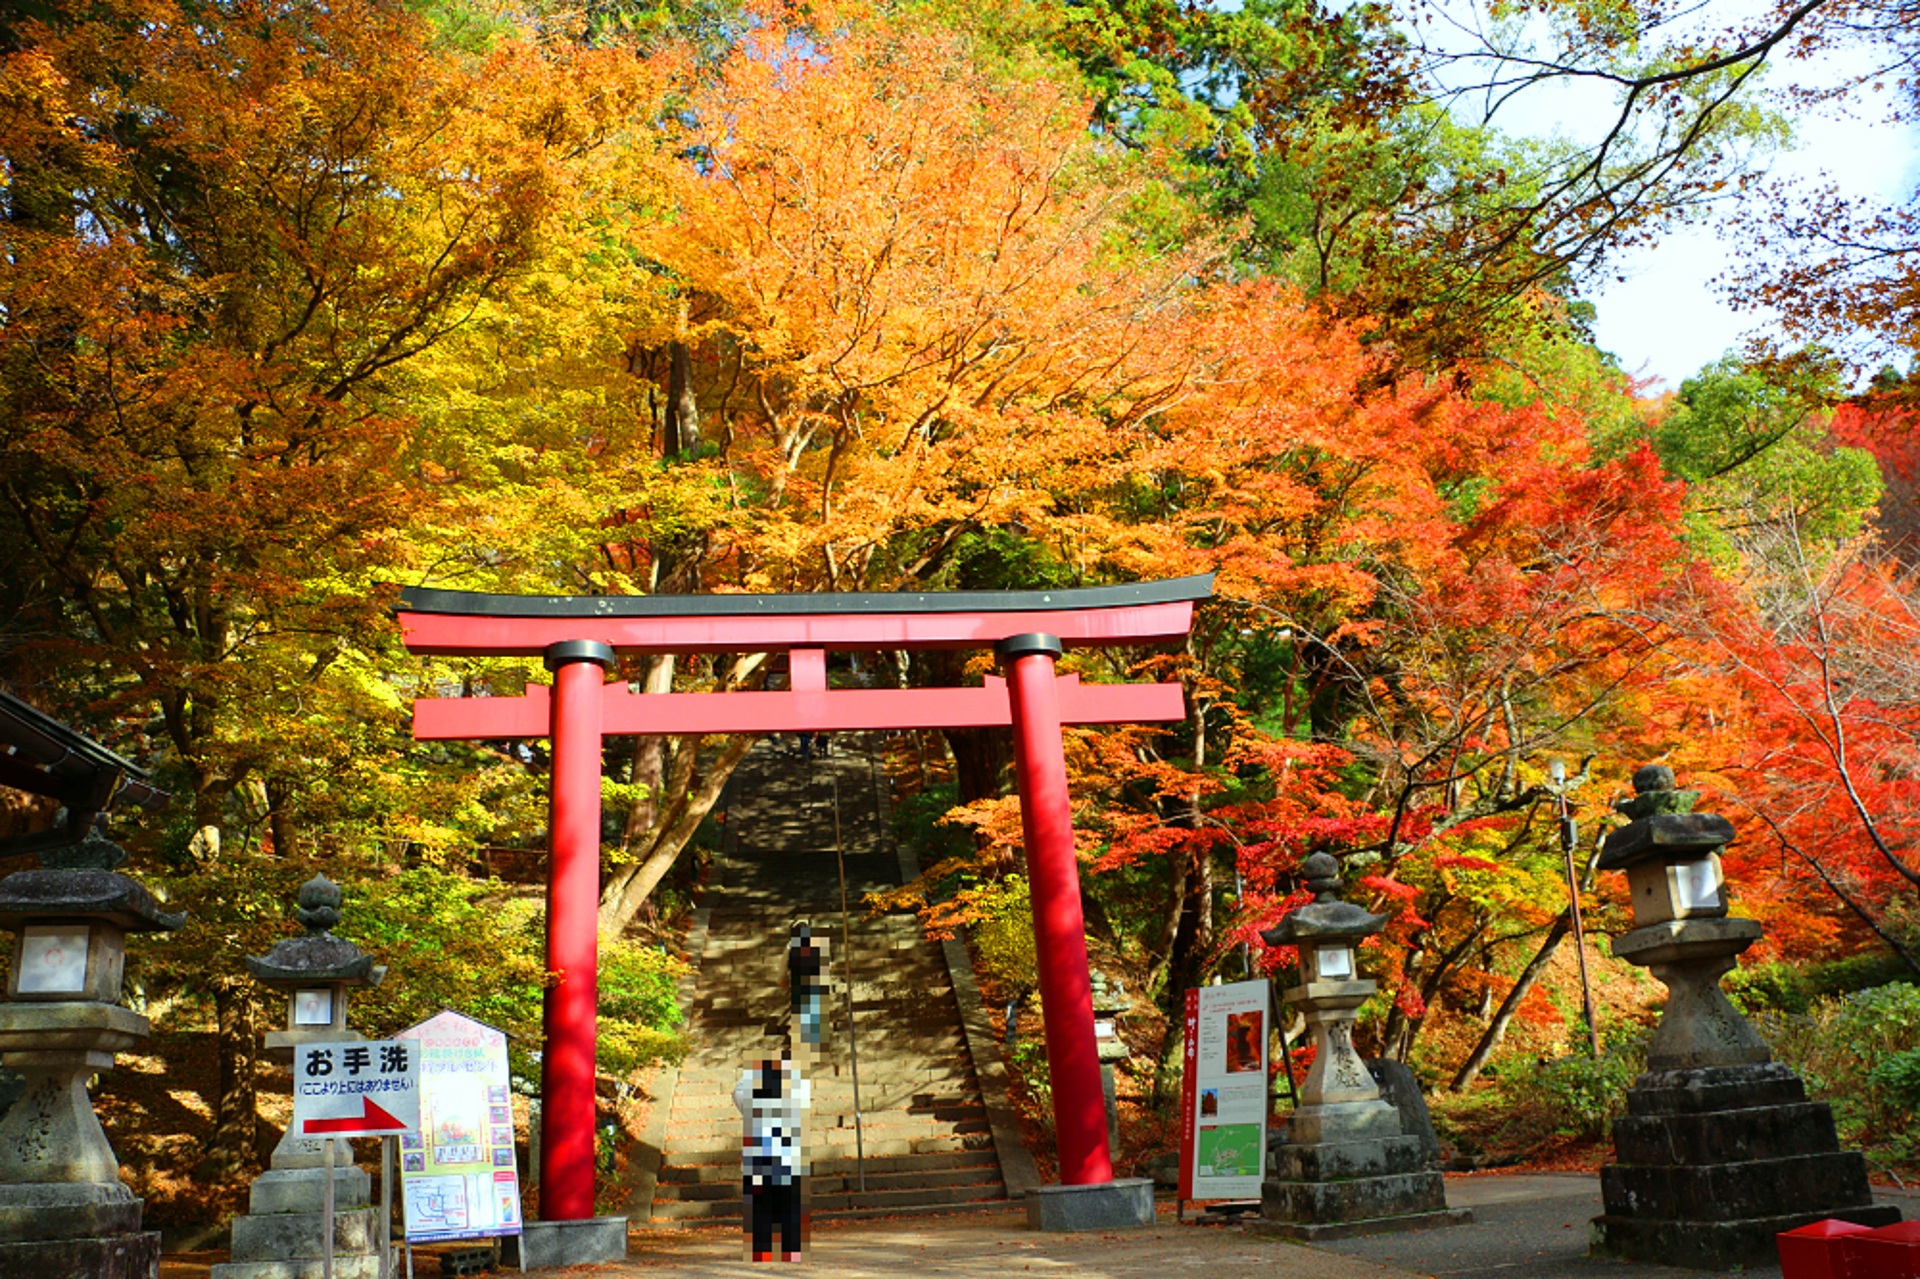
point(386, 1207)
point(326, 1228)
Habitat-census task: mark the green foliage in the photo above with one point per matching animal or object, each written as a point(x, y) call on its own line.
point(1752, 442)
point(1003, 933)
point(436, 931)
point(1792, 988)
point(1860, 1053)
point(639, 1007)
point(1585, 1094)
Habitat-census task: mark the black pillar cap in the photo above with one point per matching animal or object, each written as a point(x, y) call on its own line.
point(1026, 645)
point(566, 651)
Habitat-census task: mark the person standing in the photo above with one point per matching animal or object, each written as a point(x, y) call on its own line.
point(772, 1097)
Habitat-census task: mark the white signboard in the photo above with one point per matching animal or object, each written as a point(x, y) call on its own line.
point(457, 1168)
point(1223, 1129)
point(365, 1089)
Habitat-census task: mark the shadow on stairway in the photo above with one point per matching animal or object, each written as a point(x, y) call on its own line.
point(926, 1141)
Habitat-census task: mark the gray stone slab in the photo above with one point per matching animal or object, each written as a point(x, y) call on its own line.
point(1353, 1199)
point(22, 1222)
point(300, 1268)
point(1110, 1205)
point(549, 1245)
point(1400, 1088)
point(280, 1236)
point(1339, 1160)
point(305, 1190)
point(1716, 1245)
point(135, 1256)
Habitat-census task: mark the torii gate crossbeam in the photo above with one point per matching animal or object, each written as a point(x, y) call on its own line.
point(579, 637)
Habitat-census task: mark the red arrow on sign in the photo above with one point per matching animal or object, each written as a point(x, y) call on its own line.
point(372, 1119)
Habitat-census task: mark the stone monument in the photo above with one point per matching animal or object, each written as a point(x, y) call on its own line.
point(1720, 1150)
point(1343, 1165)
point(64, 1213)
point(283, 1234)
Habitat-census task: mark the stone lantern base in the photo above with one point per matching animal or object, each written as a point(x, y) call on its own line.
point(1713, 1163)
point(77, 1230)
point(1347, 1169)
point(283, 1235)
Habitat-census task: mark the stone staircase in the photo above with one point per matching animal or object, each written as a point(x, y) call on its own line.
point(926, 1137)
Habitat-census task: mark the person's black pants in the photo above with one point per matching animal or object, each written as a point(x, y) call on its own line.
point(768, 1204)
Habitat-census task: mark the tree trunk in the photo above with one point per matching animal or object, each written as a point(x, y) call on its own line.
point(281, 826)
point(981, 758)
point(682, 433)
point(1496, 1029)
point(631, 884)
point(649, 759)
point(231, 1149)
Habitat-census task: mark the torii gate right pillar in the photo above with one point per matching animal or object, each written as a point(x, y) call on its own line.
point(1059, 925)
point(1088, 1196)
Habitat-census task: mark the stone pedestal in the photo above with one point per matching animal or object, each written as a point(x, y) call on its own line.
point(1348, 1169)
point(551, 1245)
point(283, 1235)
point(1714, 1162)
point(1121, 1203)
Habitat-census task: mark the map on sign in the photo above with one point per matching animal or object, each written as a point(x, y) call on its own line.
point(361, 1089)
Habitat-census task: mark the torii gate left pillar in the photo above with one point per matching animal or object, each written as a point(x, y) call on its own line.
point(580, 709)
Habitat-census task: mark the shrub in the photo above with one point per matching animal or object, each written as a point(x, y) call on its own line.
point(1584, 1094)
point(1860, 1053)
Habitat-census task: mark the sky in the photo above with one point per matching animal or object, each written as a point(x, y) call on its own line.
point(1668, 318)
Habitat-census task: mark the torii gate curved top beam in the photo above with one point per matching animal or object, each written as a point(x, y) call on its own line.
point(479, 625)
point(579, 636)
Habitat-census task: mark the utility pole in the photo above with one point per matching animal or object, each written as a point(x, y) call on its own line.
point(1569, 836)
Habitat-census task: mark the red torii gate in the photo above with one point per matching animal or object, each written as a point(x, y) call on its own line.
point(579, 635)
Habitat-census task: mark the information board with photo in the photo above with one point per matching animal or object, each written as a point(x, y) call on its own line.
point(1223, 1122)
point(458, 1177)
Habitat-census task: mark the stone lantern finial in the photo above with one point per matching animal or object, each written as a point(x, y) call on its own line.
point(1322, 874)
point(319, 905)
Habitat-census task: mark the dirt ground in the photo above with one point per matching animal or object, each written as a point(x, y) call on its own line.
point(990, 1245)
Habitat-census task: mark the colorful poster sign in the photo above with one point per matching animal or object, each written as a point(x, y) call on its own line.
point(457, 1174)
point(1223, 1120)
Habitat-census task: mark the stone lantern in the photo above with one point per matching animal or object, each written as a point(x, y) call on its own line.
point(1110, 1002)
point(283, 1234)
point(314, 972)
point(1344, 1165)
point(1720, 1150)
point(63, 1210)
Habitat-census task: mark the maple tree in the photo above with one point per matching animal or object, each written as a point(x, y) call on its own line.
point(227, 232)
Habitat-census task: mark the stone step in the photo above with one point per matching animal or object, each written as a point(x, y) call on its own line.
point(274, 1235)
point(829, 1204)
point(837, 1183)
point(351, 1267)
point(721, 1152)
point(984, 1162)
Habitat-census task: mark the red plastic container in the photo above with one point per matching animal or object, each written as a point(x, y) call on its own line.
point(1891, 1252)
point(1817, 1251)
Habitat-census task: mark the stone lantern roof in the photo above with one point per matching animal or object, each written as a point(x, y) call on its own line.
point(319, 956)
point(1326, 918)
point(79, 880)
point(1664, 827)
